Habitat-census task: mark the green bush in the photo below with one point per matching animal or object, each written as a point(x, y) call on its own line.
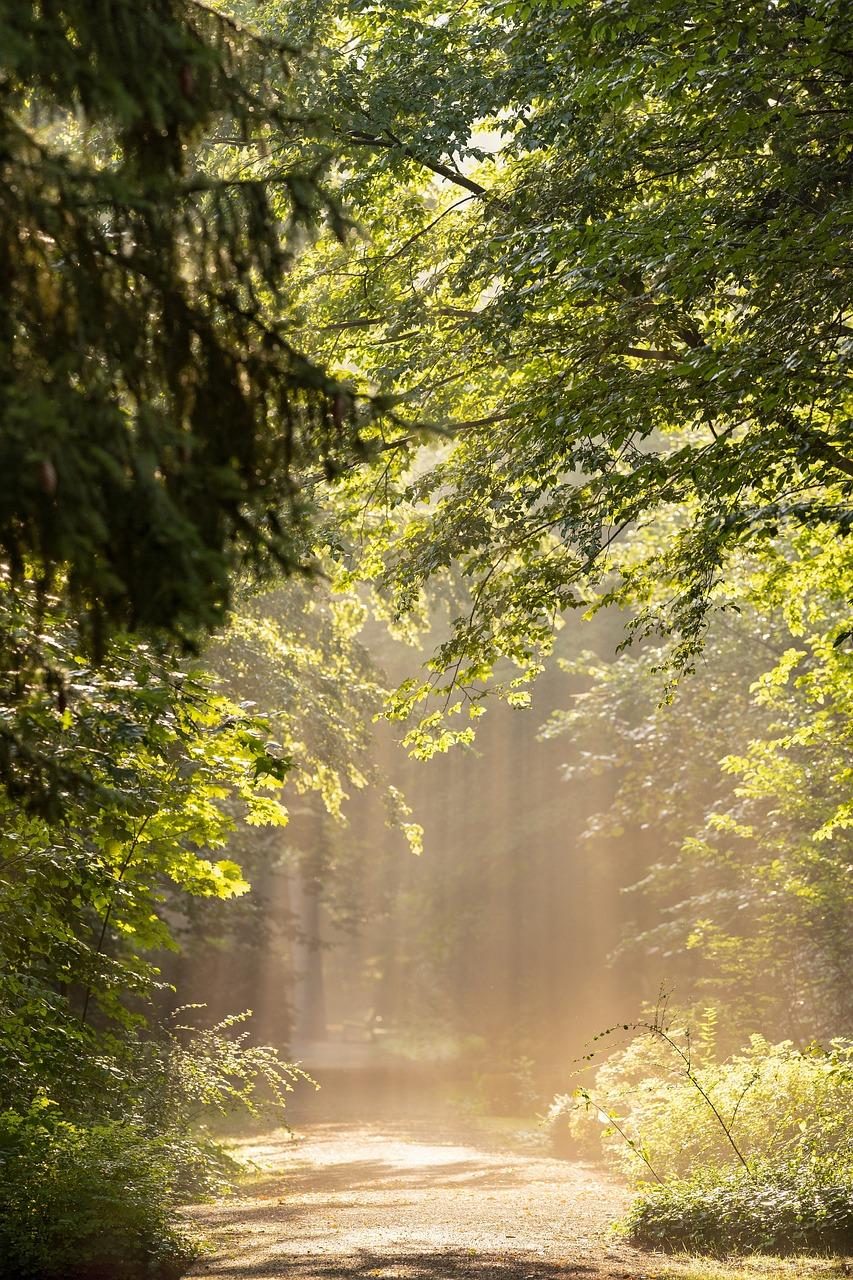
point(751, 1154)
point(89, 1186)
point(778, 1209)
point(782, 1105)
point(82, 1202)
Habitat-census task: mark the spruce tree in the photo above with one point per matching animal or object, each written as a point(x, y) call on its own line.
point(157, 173)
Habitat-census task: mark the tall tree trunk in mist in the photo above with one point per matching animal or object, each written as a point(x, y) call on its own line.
point(309, 978)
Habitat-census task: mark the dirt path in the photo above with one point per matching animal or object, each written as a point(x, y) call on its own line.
point(400, 1203)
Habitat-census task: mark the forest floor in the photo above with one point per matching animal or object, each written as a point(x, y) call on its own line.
point(394, 1201)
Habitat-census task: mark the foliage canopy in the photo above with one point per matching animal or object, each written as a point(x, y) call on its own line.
point(616, 273)
point(156, 409)
point(604, 263)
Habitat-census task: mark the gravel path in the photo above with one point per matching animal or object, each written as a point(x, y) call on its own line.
point(342, 1201)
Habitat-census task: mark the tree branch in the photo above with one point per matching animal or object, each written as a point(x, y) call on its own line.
point(647, 353)
point(827, 452)
point(435, 166)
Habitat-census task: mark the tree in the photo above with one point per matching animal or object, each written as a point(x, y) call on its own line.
point(144, 757)
point(156, 413)
point(742, 784)
point(615, 277)
point(294, 654)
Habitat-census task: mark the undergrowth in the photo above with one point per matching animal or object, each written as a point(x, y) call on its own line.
point(776, 1208)
point(87, 1201)
point(753, 1153)
point(90, 1184)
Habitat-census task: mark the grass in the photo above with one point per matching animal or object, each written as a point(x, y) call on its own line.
point(758, 1268)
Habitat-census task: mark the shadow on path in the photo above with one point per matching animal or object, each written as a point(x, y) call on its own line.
point(358, 1201)
point(444, 1265)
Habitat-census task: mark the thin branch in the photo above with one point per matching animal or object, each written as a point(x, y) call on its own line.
point(647, 353)
point(656, 1029)
point(417, 234)
point(634, 1146)
point(744, 1091)
point(435, 166)
point(134, 844)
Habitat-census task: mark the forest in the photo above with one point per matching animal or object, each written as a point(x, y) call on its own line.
point(426, 642)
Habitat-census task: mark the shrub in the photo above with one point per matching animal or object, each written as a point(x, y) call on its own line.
point(791, 1208)
point(89, 1188)
point(781, 1105)
point(82, 1202)
point(754, 1153)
